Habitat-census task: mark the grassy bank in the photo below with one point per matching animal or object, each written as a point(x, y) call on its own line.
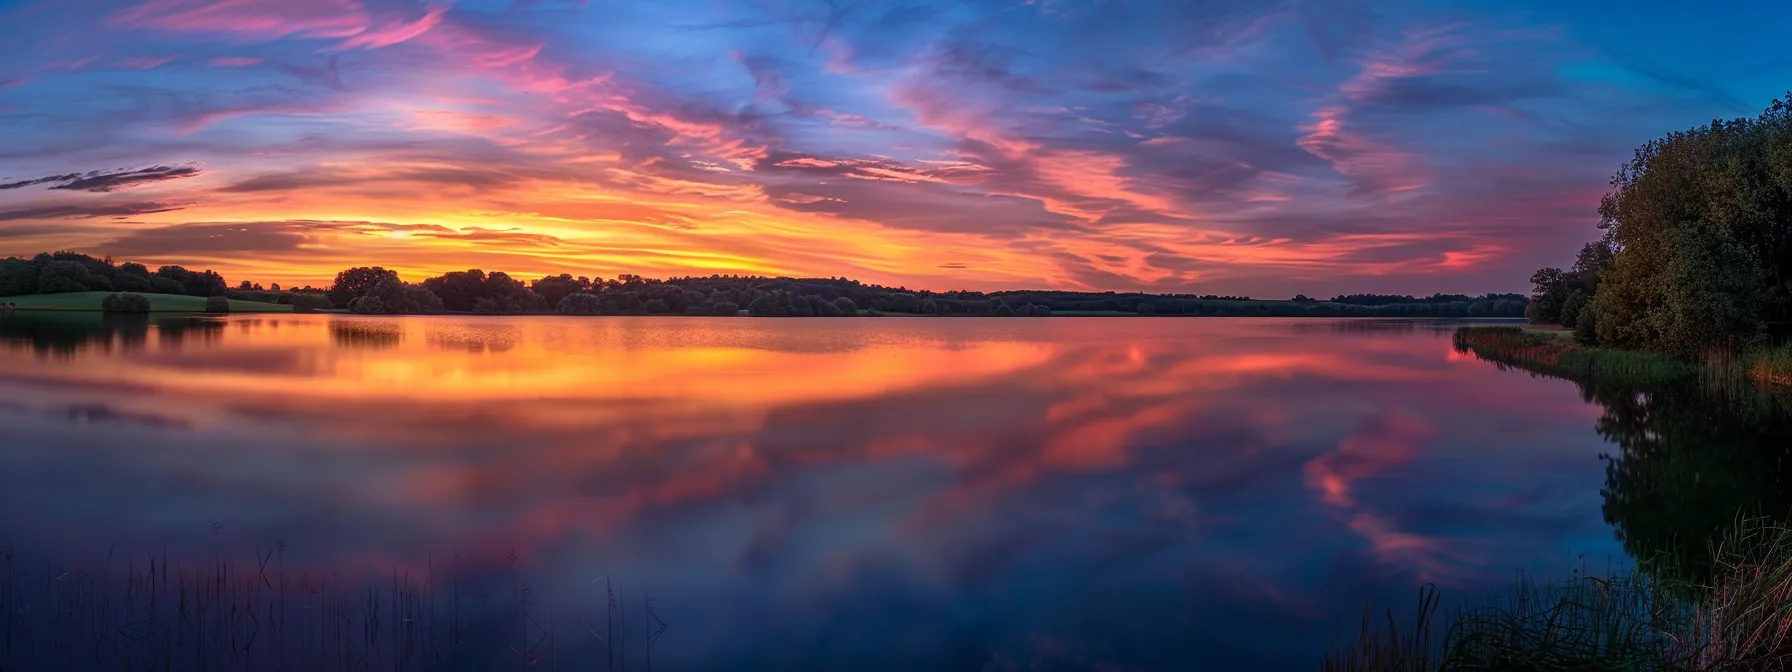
point(1550, 353)
point(1742, 620)
point(1554, 352)
point(161, 303)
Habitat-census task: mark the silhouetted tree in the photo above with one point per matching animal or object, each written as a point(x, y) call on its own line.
point(579, 303)
point(553, 288)
point(1571, 308)
point(217, 304)
point(354, 283)
point(367, 305)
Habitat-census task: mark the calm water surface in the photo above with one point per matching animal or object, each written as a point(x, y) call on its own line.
point(873, 493)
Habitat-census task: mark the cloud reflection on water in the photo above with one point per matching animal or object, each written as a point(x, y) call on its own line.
point(1131, 490)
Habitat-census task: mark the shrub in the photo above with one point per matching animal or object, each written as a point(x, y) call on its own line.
point(125, 302)
point(1586, 324)
point(217, 304)
point(311, 303)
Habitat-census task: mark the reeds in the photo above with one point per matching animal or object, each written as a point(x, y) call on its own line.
point(1548, 354)
point(158, 613)
point(1742, 620)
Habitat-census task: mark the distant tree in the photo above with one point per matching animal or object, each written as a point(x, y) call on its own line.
point(397, 297)
point(18, 277)
point(845, 307)
point(1571, 308)
point(125, 302)
point(553, 288)
point(657, 307)
point(1147, 309)
point(134, 269)
point(354, 283)
point(126, 282)
point(579, 303)
point(194, 283)
point(1004, 310)
point(367, 305)
point(61, 277)
point(1302, 299)
point(724, 309)
point(217, 304)
point(274, 287)
point(930, 308)
point(1550, 288)
point(161, 285)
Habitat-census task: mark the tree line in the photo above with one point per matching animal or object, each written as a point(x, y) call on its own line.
point(379, 291)
point(1696, 254)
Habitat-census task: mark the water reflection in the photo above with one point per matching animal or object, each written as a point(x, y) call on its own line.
point(1689, 465)
point(906, 493)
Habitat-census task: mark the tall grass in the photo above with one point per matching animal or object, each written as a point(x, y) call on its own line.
point(1742, 620)
point(158, 613)
point(1545, 353)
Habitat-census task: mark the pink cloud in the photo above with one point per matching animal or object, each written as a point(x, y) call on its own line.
point(398, 33)
point(145, 62)
point(249, 19)
point(235, 61)
point(1378, 168)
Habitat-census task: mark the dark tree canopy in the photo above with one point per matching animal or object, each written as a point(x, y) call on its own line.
point(68, 272)
point(353, 283)
point(1699, 225)
point(474, 291)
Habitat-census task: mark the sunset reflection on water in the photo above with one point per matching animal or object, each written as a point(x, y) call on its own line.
point(826, 492)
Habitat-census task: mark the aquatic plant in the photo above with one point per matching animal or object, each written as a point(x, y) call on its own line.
point(158, 612)
point(1740, 620)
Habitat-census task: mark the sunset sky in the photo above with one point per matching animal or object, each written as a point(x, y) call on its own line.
point(1234, 146)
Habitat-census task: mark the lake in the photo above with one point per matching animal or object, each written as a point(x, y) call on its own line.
point(877, 493)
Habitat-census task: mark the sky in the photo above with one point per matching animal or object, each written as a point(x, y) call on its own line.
point(1230, 146)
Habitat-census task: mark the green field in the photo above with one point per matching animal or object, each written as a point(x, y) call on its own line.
point(161, 303)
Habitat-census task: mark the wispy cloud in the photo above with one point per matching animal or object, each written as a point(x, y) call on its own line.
point(1229, 147)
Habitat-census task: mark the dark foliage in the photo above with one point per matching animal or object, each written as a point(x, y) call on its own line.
point(67, 272)
point(217, 304)
point(354, 283)
point(311, 302)
point(498, 293)
point(1697, 253)
point(125, 302)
